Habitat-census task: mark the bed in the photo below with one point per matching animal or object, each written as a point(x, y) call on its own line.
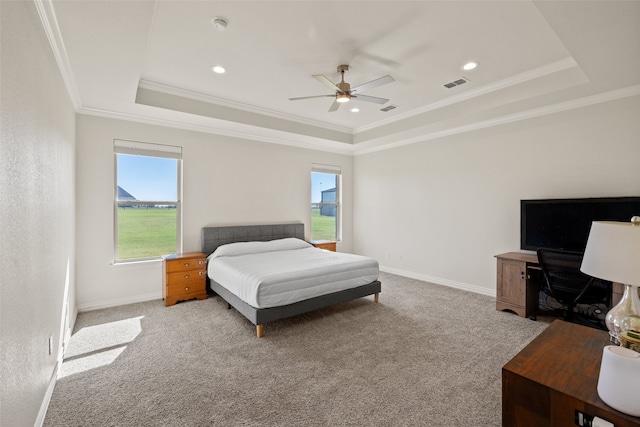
point(268, 272)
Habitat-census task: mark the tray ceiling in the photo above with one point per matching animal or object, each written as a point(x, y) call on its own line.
point(151, 61)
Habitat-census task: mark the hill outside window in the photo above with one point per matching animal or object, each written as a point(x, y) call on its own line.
point(147, 201)
point(325, 202)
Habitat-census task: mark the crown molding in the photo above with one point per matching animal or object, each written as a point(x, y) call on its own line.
point(198, 96)
point(275, 137)
point(304, 142)
point(52, 30)
point(510, 118)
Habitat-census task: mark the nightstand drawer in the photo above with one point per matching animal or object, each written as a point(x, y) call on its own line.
point(186, 276)
point(186, 264)
point(185, 288)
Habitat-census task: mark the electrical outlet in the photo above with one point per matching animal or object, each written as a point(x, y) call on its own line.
point(582, 420)
point(585, 420)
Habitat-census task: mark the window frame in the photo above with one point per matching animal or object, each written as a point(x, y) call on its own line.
point(146, 149)
point(333, 170)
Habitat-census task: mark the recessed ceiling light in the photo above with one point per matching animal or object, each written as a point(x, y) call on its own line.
point(218, 69)
point(355, 110)
point(469, 65)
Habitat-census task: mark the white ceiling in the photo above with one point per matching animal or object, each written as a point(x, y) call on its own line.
point(150, 61)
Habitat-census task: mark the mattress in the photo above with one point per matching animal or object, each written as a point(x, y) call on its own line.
point(285, 271)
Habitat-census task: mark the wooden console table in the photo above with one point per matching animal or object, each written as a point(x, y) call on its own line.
point(555, 375)
point(518, 283)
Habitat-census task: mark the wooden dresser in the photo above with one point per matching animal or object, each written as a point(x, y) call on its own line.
point(184, 277)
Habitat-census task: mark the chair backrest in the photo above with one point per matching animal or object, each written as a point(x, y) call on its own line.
point(562, 275)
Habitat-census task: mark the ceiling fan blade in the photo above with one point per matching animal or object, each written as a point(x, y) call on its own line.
point(309, 97)
point(367, 98)
point(328, 83)
point(373, 83)
point(334, 106)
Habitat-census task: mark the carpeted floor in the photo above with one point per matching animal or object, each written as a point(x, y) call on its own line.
point(426, 355)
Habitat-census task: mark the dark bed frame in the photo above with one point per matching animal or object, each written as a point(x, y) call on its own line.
point(212, 237)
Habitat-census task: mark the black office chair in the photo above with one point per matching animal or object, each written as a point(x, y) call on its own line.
point(564, 281)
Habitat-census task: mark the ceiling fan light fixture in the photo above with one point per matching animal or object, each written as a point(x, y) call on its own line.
point(342, 90)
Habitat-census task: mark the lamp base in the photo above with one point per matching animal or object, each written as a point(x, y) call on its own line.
point(629, 305)
point(618, 386)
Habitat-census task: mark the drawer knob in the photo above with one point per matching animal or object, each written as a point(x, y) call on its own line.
point(186, 264)
point(186, 276)
point(202, 273)
point(201, 262)
point(186, 288)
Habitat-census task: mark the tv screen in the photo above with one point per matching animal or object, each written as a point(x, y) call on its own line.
point(565, 223)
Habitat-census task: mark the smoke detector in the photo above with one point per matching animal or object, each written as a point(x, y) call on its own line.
point(219, 24)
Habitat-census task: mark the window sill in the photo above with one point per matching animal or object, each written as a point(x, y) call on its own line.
point(136, 263)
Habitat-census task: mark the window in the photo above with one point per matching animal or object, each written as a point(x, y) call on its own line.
point(147, 200)
point(325, 202)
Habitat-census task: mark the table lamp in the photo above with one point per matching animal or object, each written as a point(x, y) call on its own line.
point(613, 253)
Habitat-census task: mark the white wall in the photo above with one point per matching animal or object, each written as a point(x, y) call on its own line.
point(441, 209)
point(37, 215)
point(226, 181)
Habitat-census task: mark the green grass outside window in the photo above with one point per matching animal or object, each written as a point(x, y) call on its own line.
point(146, 232)
point(322, 227)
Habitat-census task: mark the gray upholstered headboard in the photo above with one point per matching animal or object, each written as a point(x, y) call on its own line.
point(212, 237)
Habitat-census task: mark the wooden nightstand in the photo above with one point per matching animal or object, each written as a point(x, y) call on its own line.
point(184, 276)
point(556, 375)
point(324, 244)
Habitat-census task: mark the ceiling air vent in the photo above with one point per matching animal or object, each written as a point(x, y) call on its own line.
point(456, 83)
point(389, 108)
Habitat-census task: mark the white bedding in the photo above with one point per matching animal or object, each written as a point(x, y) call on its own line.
point(281, 272)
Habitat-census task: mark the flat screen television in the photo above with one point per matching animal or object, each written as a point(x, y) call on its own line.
point(565, 223)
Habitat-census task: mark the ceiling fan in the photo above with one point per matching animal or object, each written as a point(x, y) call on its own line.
point(344, 92)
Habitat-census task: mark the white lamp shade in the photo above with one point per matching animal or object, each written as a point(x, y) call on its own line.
point(618, 384)
point(613, 252)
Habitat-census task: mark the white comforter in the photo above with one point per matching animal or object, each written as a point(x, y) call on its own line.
point(281, 272)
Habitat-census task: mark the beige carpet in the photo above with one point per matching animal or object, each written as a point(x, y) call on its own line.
point(426, 355)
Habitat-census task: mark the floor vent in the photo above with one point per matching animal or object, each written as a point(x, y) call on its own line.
point(389, 108)
point(456, 83)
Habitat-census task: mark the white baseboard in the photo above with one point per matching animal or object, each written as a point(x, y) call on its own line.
point(64, 343)
point(97, 305)
point(47, 396)
point(439, 281)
